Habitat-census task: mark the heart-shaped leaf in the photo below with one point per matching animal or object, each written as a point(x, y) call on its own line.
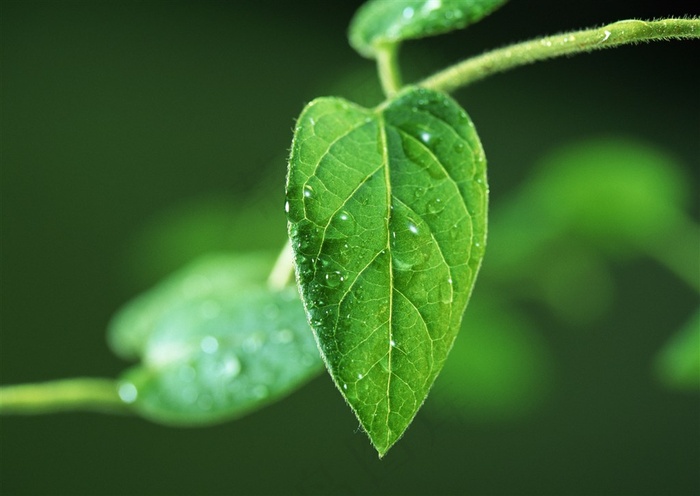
point(387, 214)
point(381, 23)
point(215, 343)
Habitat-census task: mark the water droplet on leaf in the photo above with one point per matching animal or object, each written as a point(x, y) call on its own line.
point(128, 392)
point(333, 279)
point(209, 344)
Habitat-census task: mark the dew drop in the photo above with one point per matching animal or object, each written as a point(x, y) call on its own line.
point(252, 343)
point(230, 366)
point(286, 206)
point(392, 343)
point(209, 344)
point(425, 137)
point(419, 192)
point(260, 391)
point(446, 293)
point(284, 336)
point(412, 227)
point(408, 12)
point(435, 206)
point(345, 223)
point(459, 146)
point(345, 386)
point(360, 376)
point(128, 392)
point(308, 191)
point(333, 279)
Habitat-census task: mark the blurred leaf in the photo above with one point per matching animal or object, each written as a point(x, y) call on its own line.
point(214, 342)
point(617, 194)
point(499, 368)
point(381, 23)
point(678, 363)
point(387, 214)
point(576, 283)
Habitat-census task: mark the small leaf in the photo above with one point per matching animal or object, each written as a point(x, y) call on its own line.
point(215, 343)
point(381, 23)
point(387, 215)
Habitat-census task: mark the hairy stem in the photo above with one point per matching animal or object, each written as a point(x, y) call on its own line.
point(588, 40)
point(388, 68)
point(283, 270)
point(62, 395)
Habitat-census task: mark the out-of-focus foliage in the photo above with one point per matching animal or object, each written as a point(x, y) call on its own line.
point(678, 363)
point(499, 369)
point(214, 342)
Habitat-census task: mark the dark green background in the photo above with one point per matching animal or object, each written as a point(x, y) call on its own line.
point(114, 112)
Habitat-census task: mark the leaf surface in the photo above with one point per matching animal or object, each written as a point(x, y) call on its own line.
point(214, 343)
point(387, 215)
point(381, 23)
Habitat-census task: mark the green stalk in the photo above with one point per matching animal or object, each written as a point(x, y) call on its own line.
point(588, 40)
point(85, 394)
point(283, 270)
point(388, 68)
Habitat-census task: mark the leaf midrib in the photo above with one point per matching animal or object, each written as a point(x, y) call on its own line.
point(387, 179)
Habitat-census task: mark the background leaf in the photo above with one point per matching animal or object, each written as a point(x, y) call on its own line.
point(387, 22)
point(214, 342)
point(499, 369)
point(387, 214)
point(678, 363)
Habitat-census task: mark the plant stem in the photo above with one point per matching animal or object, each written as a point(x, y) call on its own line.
point(62, 395)
point(283, 270)
point(388, 68)
point(588, 40)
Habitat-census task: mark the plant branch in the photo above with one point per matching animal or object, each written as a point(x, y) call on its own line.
point(588, 40)
point(388, 68)
point(62, 395)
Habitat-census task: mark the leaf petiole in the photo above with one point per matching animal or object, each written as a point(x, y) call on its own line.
point(587, 40)
point(87, 394)
point(388, 68)
point(283, 270)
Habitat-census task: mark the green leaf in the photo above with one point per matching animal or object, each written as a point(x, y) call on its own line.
point(214, 343)
point(379, 24)
point(387, 215)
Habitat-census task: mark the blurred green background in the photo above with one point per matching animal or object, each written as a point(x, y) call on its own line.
point(139, 134)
